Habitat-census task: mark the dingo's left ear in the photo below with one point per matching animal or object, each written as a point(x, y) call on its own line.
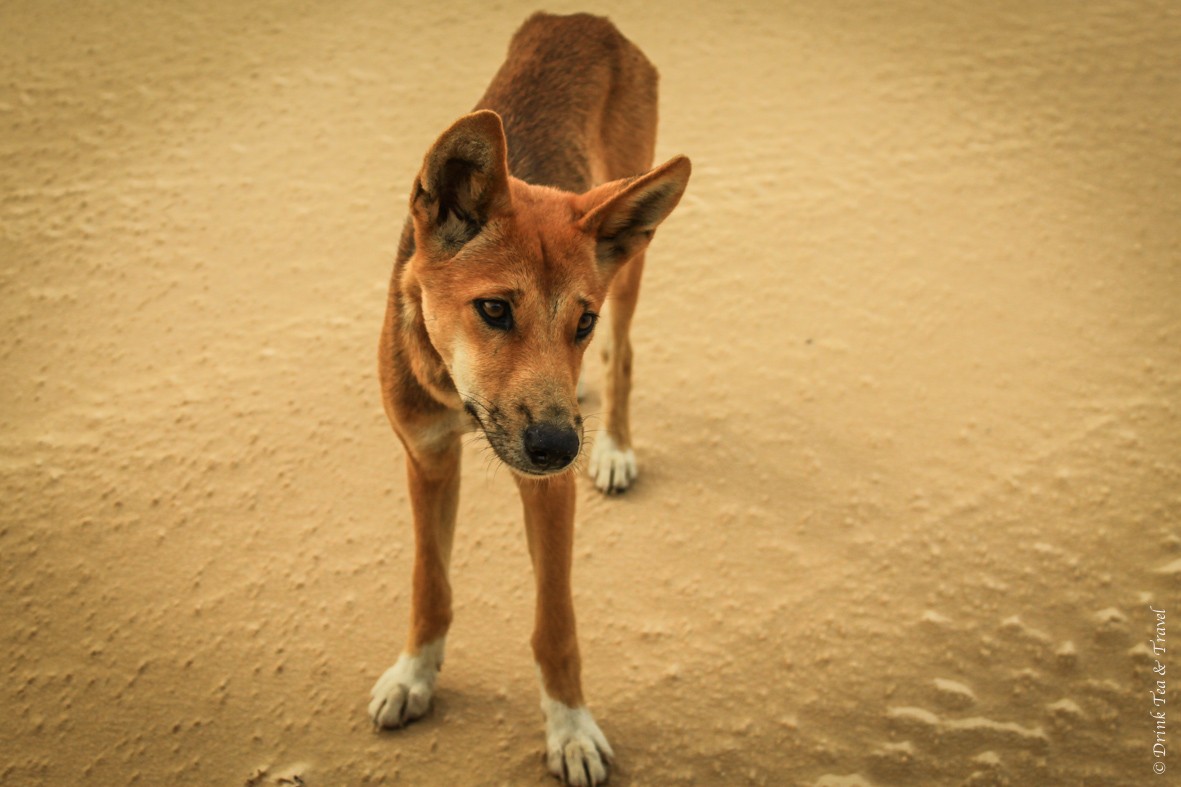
point(623, 214)
point(462, 184)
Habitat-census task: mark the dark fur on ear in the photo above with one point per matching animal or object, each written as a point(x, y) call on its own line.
point(624, 214)
point(463, 183)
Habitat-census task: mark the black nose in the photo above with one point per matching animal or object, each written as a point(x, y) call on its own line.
point(550, 447)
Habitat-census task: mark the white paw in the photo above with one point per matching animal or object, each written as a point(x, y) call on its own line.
point(612, 468)
point(576, 750)
point(403, 692)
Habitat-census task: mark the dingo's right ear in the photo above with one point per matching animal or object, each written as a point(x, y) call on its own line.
point(462, 184)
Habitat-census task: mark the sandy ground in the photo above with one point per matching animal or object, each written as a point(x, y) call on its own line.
point(909, 369)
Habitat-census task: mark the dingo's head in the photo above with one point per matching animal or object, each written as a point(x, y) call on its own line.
point(511, 278)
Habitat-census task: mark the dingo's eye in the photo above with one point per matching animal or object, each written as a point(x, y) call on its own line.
point(496, 313)
point(586, 324)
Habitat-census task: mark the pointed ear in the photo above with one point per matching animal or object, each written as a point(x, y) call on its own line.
point(463, 183)
point(623, 214)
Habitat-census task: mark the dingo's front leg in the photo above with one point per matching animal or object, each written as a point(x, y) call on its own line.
point(404, 691)
point(576, 750)
point(613, 461)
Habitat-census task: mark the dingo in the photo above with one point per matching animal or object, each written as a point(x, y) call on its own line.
point(524, 216)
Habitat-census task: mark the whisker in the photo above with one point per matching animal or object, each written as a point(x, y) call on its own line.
point(475, 398)
point(492, 463)
point(595, 416)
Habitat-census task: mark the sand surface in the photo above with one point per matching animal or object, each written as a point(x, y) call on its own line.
point(908, 378)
